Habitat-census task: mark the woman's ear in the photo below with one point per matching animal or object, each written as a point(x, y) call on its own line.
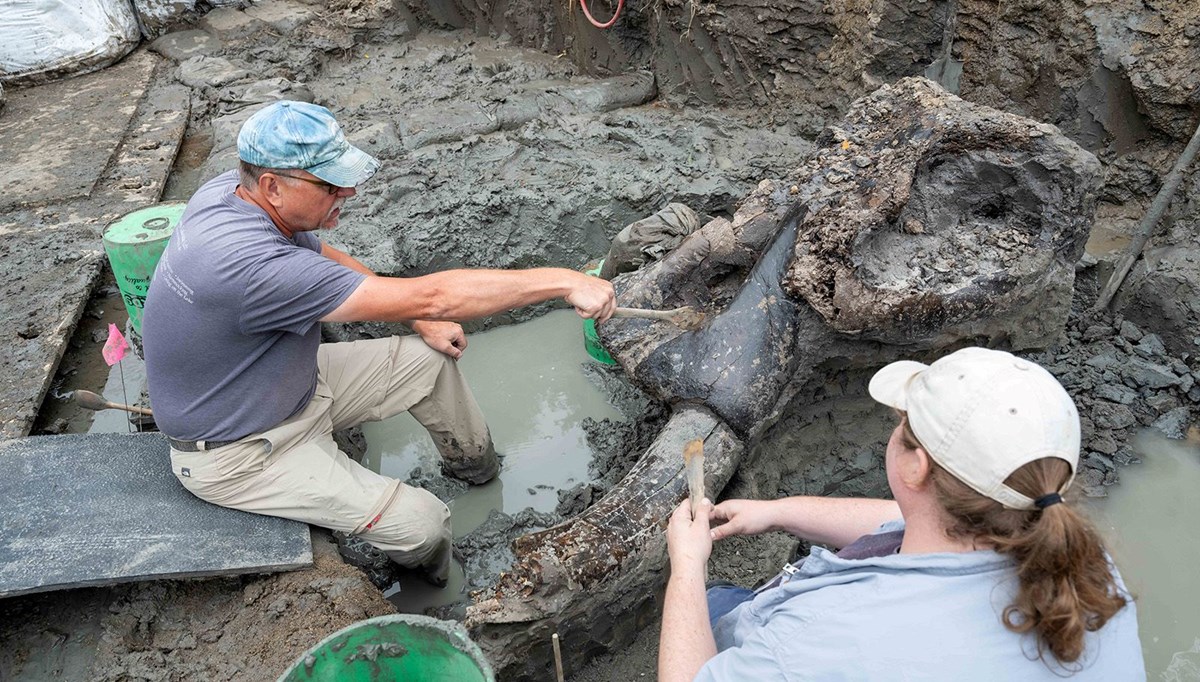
point(913, 466)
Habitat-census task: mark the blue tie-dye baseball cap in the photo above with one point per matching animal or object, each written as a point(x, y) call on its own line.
point(299, 135)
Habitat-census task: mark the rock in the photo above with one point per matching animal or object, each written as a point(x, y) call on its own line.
point(1125, 456)
point(1103, 361)
point(1148, 374)
point(1130, 331)
point(1103, 460)
point(1151, 46)
point(230, 24)
point(1091, 482)
point(1161, 402)
point(1116, 393)
point(1163, 292)
point(283, 15)
point(1103, 442)
point(1150, 346)
point(1110, 416)
point(1174, 424)
point(201, 71)
point(183, 45)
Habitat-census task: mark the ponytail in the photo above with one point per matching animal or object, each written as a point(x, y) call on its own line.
point(1066, 586)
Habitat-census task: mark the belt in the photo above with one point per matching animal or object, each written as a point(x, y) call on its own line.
point(198, 445)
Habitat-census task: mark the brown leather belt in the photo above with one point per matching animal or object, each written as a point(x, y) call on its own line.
point(198, 445)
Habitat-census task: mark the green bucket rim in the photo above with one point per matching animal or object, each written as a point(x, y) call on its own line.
point(458, 638)
point(170, 212)
point(591, 338)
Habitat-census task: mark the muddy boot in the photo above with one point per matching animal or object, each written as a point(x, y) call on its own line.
point(476, 467)
point(436, 569)
point(380, 569)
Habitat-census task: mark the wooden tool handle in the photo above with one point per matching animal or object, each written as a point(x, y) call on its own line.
point(644, 314)
point(90, 401)
point(693, 465)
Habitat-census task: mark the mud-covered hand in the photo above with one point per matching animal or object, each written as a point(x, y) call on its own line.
point(741, 517)
point(446, 337)
point(592, 297)
point(688, 541)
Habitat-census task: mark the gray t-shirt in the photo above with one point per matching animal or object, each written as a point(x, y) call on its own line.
point(231, 321)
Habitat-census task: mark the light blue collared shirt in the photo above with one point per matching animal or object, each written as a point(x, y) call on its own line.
point(904, 617)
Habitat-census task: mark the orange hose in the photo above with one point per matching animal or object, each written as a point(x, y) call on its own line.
point(610, 22)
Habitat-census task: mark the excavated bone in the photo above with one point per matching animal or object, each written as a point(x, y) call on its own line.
point(921, 221)
point(952, 221)
point(595, 567)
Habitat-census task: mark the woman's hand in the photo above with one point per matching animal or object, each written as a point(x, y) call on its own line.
point(742, 517)
point(688, 541)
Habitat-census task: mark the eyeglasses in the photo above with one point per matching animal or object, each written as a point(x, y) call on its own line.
point(329, 188)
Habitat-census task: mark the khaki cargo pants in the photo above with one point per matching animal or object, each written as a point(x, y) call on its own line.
point(295, 470)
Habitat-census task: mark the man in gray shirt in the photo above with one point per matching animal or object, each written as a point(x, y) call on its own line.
point(250, 397)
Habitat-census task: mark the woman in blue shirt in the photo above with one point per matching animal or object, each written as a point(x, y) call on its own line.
point(976, 570)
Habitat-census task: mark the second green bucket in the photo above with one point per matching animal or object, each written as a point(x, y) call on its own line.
point(591, 338)
point(134, 243)
point(395, 647)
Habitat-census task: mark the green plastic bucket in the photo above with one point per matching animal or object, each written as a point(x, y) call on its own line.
point(591, 338)
point(134, 243)
point(395, 647)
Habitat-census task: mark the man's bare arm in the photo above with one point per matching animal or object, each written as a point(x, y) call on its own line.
point(469, 294)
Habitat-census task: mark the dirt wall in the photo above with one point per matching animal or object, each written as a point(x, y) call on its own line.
point(807, 59)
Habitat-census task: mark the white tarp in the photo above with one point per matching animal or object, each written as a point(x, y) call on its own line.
point(46, 39)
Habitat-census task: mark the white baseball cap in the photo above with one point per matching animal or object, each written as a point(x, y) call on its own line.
point(982, 414)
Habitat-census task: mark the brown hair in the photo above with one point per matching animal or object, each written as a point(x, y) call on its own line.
point(1065, 585)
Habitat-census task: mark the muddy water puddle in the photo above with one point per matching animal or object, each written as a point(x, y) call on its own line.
point(530, 382)
point(1149, 522)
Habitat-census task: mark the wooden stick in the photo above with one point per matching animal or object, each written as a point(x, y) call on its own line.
point(1158, 207)
point(693, 464)
point(684, 318)
point(558, 668)
point(90, 401)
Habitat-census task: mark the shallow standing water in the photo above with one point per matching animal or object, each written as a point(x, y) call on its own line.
point(530, 382)
point(1149, 522)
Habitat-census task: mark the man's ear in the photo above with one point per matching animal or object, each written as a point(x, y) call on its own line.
point(270, 188)
point(914, 468)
